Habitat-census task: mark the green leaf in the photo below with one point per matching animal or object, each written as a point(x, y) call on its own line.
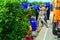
point(0, 20)
point(1, 29)
point(6, 20)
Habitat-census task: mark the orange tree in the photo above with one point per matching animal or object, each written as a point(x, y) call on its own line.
point(13, 23)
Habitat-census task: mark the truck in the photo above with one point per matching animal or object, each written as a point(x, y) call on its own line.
point(56, 18)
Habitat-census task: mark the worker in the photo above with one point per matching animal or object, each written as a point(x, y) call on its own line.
point(48, 12)
point(36, 7)
point(41, 15)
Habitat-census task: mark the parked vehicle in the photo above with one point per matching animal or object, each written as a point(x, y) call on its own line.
point(56, 19)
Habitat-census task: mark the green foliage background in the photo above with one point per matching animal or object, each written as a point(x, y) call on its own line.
point(13, 23)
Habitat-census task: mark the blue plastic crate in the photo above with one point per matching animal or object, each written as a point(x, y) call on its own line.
point(47, 4)
point(36, 6)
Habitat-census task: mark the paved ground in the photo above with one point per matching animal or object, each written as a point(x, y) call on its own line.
point(46, 33)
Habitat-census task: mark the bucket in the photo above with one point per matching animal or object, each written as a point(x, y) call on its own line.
point(29, 38)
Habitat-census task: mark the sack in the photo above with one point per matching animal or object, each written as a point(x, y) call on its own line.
point(33, 33)
point(30, 28)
